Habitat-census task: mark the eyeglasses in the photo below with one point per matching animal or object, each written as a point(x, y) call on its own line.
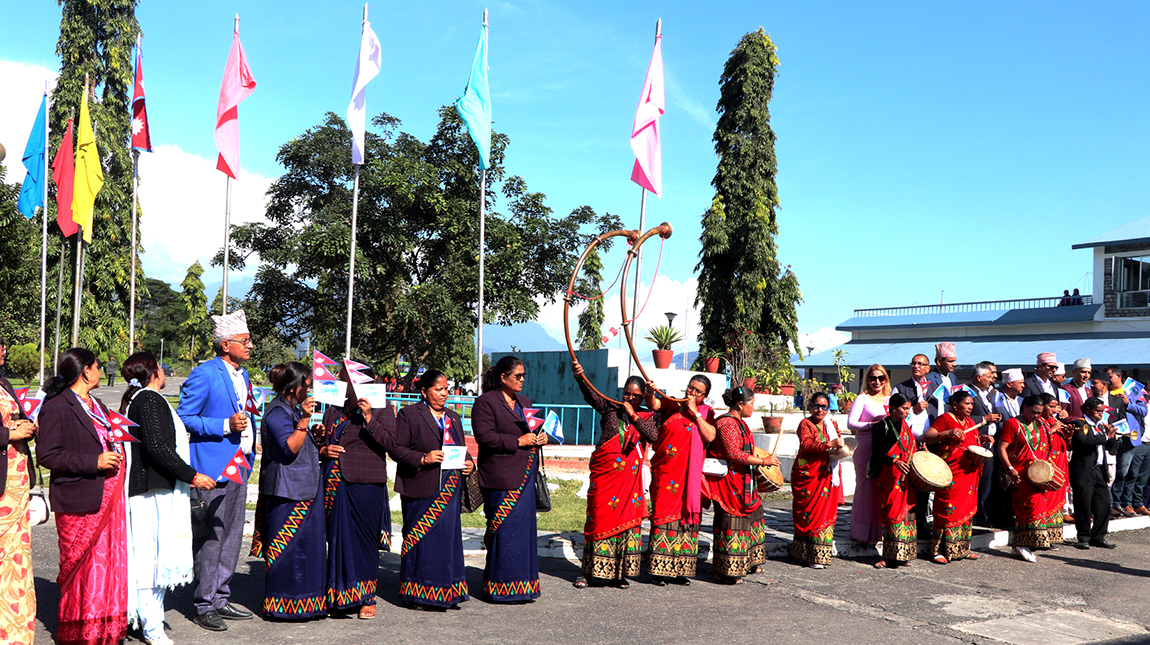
point(919, 364)
point(694, 391)
point(518, 376)
point(247, 341)
point(816, 408)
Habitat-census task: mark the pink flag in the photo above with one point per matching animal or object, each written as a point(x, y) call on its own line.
point(648, 170)
point(141, 135)
point(238, 84)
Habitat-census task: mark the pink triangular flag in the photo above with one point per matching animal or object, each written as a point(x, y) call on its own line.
point(237, 85)
point(648, 170)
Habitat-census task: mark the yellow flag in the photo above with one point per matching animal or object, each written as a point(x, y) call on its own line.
point(89, 177)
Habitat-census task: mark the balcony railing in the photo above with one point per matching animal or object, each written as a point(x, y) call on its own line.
point(986, 305)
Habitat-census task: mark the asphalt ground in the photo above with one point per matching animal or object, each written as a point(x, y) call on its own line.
point(1069, 596)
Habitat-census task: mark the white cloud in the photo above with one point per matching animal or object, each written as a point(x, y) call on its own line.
point(182, 196)
point(688, 104)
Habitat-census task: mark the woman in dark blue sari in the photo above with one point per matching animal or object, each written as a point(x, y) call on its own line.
point(509, 456)
point(356, 439)
point(431, 569)
point(289, 531)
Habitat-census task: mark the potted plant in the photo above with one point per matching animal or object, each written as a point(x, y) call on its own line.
point(664, 338)
point(774, 379)
point(749, 378)
point(712, 359)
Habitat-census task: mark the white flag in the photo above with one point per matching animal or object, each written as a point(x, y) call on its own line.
point(366, 67)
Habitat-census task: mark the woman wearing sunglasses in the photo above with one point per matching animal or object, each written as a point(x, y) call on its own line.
point(816, 486)
point(508, 464)
point(868, 409)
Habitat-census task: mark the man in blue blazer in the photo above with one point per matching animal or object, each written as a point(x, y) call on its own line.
point(212, 407)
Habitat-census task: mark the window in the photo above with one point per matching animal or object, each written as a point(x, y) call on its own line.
point(1133, 282)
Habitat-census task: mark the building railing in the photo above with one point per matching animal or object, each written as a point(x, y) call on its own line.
point(986, 305)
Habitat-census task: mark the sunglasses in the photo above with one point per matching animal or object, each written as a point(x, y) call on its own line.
point(518, 377)
point(877, 378)
point(919, 364)
point(816, 408)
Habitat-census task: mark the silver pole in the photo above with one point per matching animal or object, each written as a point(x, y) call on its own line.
point(351, 262)
point(132, 289)
point(638, 273)
point(482, 236)
point(161, 350)
point(79, 286)
point(227, 243)
point(44, 248)
point(59, 295)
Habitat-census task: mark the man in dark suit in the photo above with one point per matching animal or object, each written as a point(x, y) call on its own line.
point(1041, 381)
point(945, 360)
point(982, 381)
point(917, 389)
point(1089, 470)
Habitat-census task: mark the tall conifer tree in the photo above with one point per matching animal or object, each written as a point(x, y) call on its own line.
point(742, 287)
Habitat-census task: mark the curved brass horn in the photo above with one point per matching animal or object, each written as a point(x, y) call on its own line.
point(663, 230)
point(631, 237)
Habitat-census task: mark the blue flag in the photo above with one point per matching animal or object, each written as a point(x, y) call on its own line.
point(553, 427)
point(475, 105)
point(36, 161)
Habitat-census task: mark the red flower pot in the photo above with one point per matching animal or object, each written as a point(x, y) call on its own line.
point(662, 358)
point(711, 365)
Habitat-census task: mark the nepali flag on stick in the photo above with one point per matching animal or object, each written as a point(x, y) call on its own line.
point(28, 404)
point(355, 372)
point(256, 398)
point(321, 367)
point(141, 135)
point(232, 469)
point(118, 432)
point(533, 424)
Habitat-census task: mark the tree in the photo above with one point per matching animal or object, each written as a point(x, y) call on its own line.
point(742, 287)
point(159, 313)
point(195, 313)
point(416, 262)
point(19, 270)
point(591, 318)
point(96, 39)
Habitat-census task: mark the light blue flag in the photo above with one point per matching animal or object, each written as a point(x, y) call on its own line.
point(475, 105)
point(35, 160)
point(553, 426)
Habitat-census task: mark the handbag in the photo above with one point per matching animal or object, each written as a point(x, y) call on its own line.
point(542, 493)
point(472, 498)
point(39, 510)
point(715, 467)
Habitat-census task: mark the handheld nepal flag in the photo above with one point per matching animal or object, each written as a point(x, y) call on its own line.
point(321, 367)
point(89, 177)
point(648, 170)
point(232, 470)
point(118, 433)
point(36, 161)
point(64, 174)
point(366, 68)
point(141, 135)
point(474, 106)
point(237, 85)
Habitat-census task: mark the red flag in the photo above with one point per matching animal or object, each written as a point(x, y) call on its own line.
point(29, 405)
point(64, 174)
point(232, 470)
point(119, 430)
point(141, 136)
point(320, 363)
point(237, 85)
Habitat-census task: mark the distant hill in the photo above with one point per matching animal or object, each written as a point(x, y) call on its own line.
point(526, 337)
point(677, 362)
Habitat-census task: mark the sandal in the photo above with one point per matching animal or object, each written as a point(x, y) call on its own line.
point(940, 559)
point(683, 581)
point(659, 581)
point(818, 566)
point(972, 556)
point(621, 584)
point(580, 583)
point(881, 564)
point(755, 569)
point(727, 580)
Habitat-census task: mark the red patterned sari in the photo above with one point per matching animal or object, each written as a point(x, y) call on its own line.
point(817, 492)
point(955, 506)
point(1060, 457)
point(1024, 444)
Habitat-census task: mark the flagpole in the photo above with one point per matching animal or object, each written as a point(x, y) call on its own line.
point(79, 262)
point(354, 224)
point(482, 237)
point(132, 289)
point(59, 294)
point(44, 248)
point(642, 227)
point(227, 243)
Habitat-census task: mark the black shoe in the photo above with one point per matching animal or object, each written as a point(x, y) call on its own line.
point(680, 580)
point(1103, 544)
point(659, 581)
point(1082, 545)
point(231, 612)
point(211, 621)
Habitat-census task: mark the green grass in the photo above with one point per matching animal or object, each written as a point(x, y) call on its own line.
point(568, 512)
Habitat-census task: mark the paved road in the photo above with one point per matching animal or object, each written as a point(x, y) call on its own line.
point(1069, 597)
point(111, 395)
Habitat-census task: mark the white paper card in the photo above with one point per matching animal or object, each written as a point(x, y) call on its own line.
point(375, 393)
point(330, 392)
point(454, 457)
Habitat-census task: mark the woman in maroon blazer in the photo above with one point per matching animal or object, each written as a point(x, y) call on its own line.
point(509, 456)
point(431, 571)
point(355, 440)
point(87, 493)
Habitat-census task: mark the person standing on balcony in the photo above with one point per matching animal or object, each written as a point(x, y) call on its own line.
point(1041, 382)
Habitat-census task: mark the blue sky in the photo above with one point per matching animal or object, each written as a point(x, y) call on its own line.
point(922, 146)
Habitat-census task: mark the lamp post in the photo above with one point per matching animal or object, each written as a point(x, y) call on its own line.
point(671, 325)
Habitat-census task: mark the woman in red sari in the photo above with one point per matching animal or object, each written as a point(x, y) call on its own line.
point(87, 493)
point(893, 445)
point(676, 483)
point(616, 503)
point(1060, 433)
point(1023, 440)
point(816, 486)
point(740, 535)
point(955, 506)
